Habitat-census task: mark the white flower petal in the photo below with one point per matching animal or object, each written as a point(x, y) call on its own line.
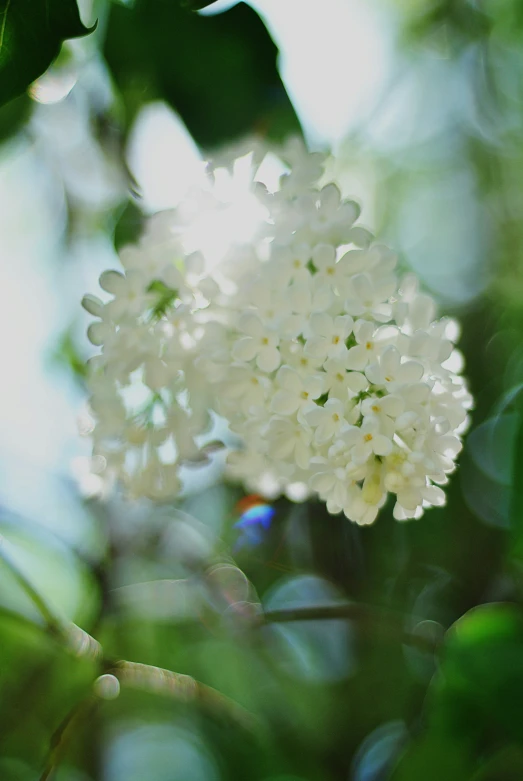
point(361, 452)
point(392, 405)
point(303, 455)
point(356, 382)
point(321, 324)
point(323, 255)
point(93, 305)
point(363, 287)
point(410, 372)
point(268, 359)
point(251, 325)
point(284, 403)
point(244, 349)
point(357, 358)
point(330, 197)
point(381, 445)
point(316, 347)
point(390, 361)
point(288, 378)
point(112, 281)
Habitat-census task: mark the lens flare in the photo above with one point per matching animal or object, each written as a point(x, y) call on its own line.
point(255, 520)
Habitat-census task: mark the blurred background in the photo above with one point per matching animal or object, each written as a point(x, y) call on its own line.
point(421, 102)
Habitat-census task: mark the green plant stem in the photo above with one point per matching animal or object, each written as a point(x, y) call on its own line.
point(182, 688)
point(383, 621)
point(74, 639)
point(64, 733)
point(52, 623)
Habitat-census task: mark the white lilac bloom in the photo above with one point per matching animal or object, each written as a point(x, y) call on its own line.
point(295, 391)
point(329, 335)
point(333, 374)
point(259, 343)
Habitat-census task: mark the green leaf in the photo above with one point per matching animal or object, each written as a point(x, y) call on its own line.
point(14, 115)
point(480, 686)
point(516, 505)
point(219, 73)
point(433, 758)
point(506, 764)
point(31, 34)
point(473, 723)
point(129, 225)
point(166, 296)
point(66, 354)
point(196, 5)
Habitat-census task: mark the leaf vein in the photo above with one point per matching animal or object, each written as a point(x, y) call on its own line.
point(2, 28)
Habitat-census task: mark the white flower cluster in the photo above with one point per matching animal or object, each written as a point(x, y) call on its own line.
point(147, 396)
point(332, 372)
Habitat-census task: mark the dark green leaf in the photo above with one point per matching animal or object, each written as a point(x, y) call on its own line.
point(31, 34)
point(433, 758)
point(129, 225)
point(516, 505)
point(14, 115)
point(218, 72)
point(505, 765)
point(197, 5)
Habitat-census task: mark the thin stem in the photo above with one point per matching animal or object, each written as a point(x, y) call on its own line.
point(64, 733)
point(157, 680)
point(53, 625)
point(183, 688)
point(382, 620)
point(72, 637)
